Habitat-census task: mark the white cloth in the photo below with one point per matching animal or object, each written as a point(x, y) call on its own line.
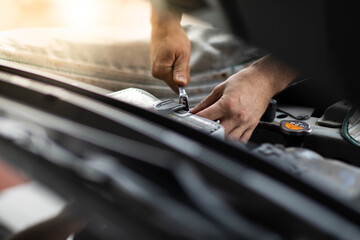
point(118, 58)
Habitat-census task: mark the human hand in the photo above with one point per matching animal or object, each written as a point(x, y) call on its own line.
point(238, 103)
point(242, 99)
point(170, 53)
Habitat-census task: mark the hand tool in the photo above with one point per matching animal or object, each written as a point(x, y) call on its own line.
point(183, 98)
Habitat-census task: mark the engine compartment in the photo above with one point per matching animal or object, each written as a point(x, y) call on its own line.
point(325, 140)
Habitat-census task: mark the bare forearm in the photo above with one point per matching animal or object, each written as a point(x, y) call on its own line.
point(170, 48)
point(163, 17)
point(277, 75)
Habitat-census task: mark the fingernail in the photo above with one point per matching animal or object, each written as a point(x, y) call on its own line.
point(181, 79)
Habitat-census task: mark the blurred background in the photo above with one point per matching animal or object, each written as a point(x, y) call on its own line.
point(72, 13)
point(24, 202)
point(75, 13)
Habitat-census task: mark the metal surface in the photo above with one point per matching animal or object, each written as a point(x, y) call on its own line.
point(183, 98)
point(158, 179)
point(115, 163)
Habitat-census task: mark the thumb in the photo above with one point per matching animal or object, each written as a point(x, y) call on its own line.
point(181, 72)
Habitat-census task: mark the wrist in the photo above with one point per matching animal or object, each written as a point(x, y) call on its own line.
point(164, 18)
point(275, 74)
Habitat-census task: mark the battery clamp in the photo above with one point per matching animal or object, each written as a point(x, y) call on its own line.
point(169, 108)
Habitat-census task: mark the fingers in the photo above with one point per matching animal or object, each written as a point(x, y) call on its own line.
point(174, 73)
point(241, 133)
point(170, 56)
point(214, 96)
point(246, 135)
point(229, 125)
point(172, 85)
point(181, 72)
point(164, 72)
point(234, 129)
point(212, 112)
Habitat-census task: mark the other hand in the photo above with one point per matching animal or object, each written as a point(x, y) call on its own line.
point(170, 54)
point(242, 99)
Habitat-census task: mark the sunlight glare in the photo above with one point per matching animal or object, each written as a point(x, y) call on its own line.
point(82, 13)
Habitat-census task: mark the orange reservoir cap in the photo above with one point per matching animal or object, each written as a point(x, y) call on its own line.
point(295, 127)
